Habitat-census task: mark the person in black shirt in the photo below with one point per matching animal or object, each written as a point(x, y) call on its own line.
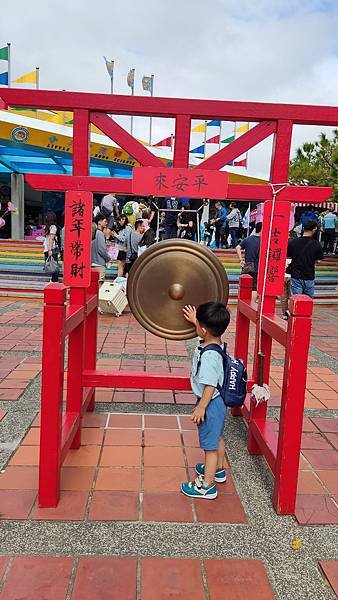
point(304, 252)
point(170, 223)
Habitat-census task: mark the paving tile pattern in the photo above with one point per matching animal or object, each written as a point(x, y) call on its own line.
point(140, 503)
point(97, 578)
point(129, 468)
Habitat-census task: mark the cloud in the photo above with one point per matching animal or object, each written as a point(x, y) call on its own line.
point(267, 50)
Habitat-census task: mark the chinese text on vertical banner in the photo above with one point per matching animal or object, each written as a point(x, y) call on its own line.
point(276, 254)
point(77, 245)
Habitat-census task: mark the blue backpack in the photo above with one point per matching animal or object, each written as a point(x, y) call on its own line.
point(234, 388)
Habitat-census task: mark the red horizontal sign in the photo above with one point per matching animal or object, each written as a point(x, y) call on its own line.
point(170, 181)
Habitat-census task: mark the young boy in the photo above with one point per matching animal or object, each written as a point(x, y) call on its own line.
point(211, 320)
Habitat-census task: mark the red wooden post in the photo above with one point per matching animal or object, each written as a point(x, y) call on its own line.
point(275, 263)
point(182, 141)
point(242, 322)
point(90, 343)
point(76, 364)
point(81, 142)
point(53, 348)
point(292, 405)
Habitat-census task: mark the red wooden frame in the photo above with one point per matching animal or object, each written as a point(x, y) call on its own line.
point(61, 430)
point(281, 449)
point(80, 318)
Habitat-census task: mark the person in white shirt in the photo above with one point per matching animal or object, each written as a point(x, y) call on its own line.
point(50, 242)
point(234, 219)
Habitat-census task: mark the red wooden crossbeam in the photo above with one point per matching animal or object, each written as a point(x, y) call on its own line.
point(124, 379)
point(236, 191)
point(170, 107)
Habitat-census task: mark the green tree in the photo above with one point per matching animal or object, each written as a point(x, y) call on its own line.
point(316, 163)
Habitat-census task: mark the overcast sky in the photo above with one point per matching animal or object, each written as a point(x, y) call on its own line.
point(262, 50)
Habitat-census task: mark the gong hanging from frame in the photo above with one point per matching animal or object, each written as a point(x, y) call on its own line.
point(166, 277)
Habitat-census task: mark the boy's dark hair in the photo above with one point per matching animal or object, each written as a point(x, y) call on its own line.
point(310, 225)
point(258, 227)
point(138, 224)
point(214, 316)
point(99, 217)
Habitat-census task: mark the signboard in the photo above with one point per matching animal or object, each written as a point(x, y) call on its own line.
point(276, 253)
point(78, 237)
point(171, 181)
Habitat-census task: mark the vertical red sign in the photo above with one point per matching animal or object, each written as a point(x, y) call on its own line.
point(275, 255)
point(77, 240)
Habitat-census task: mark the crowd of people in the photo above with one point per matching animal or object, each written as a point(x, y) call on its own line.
point(122, 231)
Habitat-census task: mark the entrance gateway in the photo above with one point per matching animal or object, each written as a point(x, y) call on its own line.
point(78, 320)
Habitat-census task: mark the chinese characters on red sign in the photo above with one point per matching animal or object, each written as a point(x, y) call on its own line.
point(193, 183)
point(78, 235)
point(276, 254)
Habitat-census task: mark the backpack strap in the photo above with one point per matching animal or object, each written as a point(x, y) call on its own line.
point(216, 347)
point(221, 351)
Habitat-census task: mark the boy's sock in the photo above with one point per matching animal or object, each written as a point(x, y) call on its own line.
point(220, 475)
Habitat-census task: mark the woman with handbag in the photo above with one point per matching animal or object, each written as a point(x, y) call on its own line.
point(123, 229)
point(249, 264)
point(50, 246)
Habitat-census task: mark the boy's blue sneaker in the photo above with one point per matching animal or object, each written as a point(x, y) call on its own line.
point(220, 475)
point(198, 489)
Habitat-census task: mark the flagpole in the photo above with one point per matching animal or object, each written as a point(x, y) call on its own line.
point(220, 135)
point(151, 118)
point(132, 93)
point(9, 66)
point(132, 118)
point(205, 138)
point(37, 83)
point(112, 78)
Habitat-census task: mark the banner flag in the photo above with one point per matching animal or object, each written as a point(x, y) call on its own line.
point(27, 78)
point(199, 128)
point(213, 140)
point(165, 142)
point(131, 78)
point(214, 124)
point(4, 54)
point(228, 140)
point(242, 128)
point(147, 83)
point(198, 150)
point(110, 67)
point(4, 78)
point(240, 163)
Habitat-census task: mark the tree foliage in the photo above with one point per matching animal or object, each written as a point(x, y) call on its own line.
point(316, 163)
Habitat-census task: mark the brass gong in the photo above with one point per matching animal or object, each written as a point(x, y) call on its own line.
point(166, 277)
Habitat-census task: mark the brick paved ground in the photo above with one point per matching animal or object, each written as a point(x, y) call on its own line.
point(121, 524)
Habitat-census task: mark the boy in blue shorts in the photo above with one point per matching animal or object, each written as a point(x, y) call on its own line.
point(211, 320)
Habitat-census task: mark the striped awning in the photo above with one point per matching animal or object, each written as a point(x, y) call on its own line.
point(331, 205)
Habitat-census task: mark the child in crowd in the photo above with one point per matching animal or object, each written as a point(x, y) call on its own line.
point(211, 320)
